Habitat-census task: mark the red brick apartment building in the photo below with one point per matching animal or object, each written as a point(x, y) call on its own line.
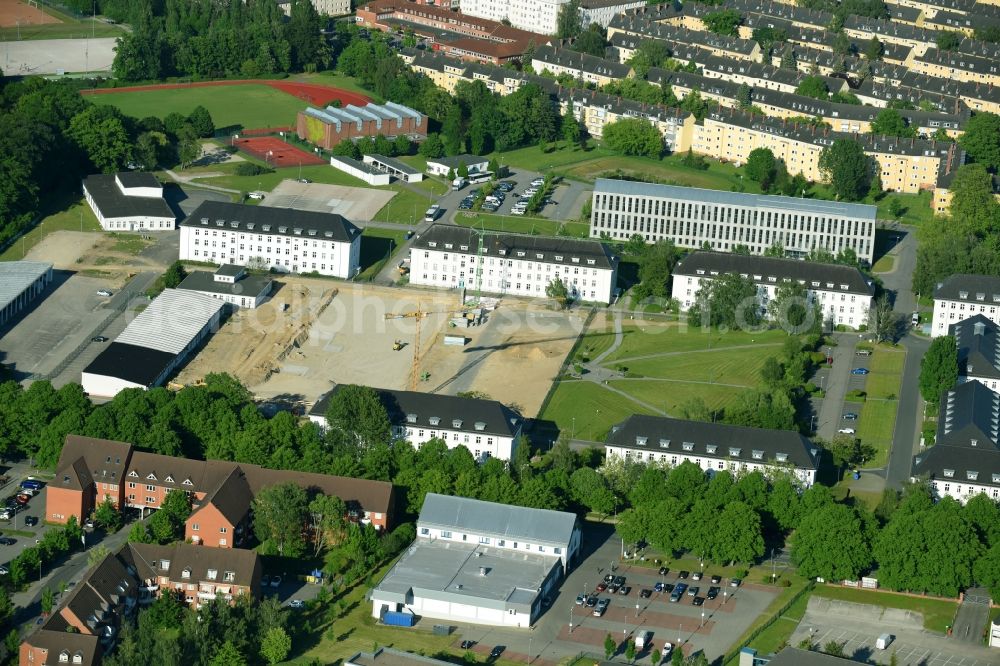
point(328, 127)
point(88, 621)
point(91, 470)
point(454, 34)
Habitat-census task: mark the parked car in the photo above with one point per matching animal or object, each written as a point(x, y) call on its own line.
point(864, 352)
point(624, 589)
point(713, 592)
point(693, 591)
point(664, 571)
point(696, 575)
point(620, 580)
point(4, 570)
point(667, 649)
point(676, 595)
point(497, 651)
point(6, 514)
point(104, 292)
point(682, 574)
point(859, 371)
point(98, 338)
point(27, 491)
point(275, 581)
point(664, 587)
point(296, 603)
point(518, 211)
point(30, 521)
point(646, 593)
point(580, 599)
point(265, 580)
point(467, 645)
point(850, 416)
point(7, 541)
point(735, 582)
point(716, 579)
point(537, 182)
point(591, 601)
point(602, 605)
point(602, 586)
point(23, 499)
point(34, 484)
point(608, 578)
point(698, 601)
point(846, 431)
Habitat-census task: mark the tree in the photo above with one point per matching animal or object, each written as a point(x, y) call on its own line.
point(987, 570)
point(788, 59)
point(279, 515)
point(813, 86)
point(100, 133)
point(590, 41)
point(633, 136)
point(357, 413)
point(139, 534)
point(842, 44)
point(724, 22)
point(568, 23)
point(981, 140)
point(275, 645)
point(431, 147)
point(150, 148)
point(729, 301)
point(650, 53)
point(896, 209)
point(874, 49)
point(174, 275)
point(572, 129)
point(889, 122)
point(48, 600)
point(6, 607)
point(556, 290)
point(761, 167)
point(792, 311)
point(743, 96)
point(834, 543)
point(882, 321)
point(656, 263)
point(847, 168)
point(227, 655)
point(655, 656)
point(947, 40)
point(108, 516)
point(630, 651)
point(939, 368)
point(834, 649)
point(737, 535)
point(609, 646)
point(201, 121)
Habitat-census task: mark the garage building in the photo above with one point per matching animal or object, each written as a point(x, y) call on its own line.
point(154, 344)
point(128, 201)
point(20, 283)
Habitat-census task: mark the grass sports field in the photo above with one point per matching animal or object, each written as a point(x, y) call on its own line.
point(248, 105)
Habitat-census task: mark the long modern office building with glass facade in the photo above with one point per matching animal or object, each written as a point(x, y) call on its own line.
point(722, 221)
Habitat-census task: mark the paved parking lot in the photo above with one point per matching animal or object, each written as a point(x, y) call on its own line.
point(521, 179)
point(35, 508)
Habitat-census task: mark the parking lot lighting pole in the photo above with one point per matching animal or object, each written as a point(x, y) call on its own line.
point(724, 593)
point(571, 619)
point(702, 619)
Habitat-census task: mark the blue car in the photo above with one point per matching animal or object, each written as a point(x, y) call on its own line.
point(32, 484)
point(859, 371)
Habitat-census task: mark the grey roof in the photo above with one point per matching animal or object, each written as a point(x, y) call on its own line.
point(398, 165)
point(273, 221)
point(112, 202)
point(455, 160)
point(978, 347)
point(584, 62)
point(450, 571)
point(667, 435)
point(967, 415)
point(795, 657)
point(549, 249)
point(171, 321)
point(356, 164)
point(814, 206)
point(955, 463)
point(231, 270)
point(138, 179)
point(138, 365)
point(392, 657)
point(249, 285)
point(836, 277)
point(500, 520)
point(16, 276)
point(244, 564)
point(471, 413)
point(86, 646)
point(969, 288)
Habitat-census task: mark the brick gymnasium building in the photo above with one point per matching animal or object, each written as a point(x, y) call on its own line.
point(328, 127)
point(91, 470)
point(454, 34)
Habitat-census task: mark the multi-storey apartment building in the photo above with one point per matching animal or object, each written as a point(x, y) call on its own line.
point(487, 428)
point(975, 68)
point(583, 67)
point(713, 446)
point(285, 240)
point(962, 296)
point(695, 218)
point(512, 264)
point(842, 294)
point(538, 16)
point(197, 575)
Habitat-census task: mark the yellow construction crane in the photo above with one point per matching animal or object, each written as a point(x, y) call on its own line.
point(418, 315)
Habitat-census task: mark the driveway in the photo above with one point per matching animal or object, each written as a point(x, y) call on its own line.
point(836, 380)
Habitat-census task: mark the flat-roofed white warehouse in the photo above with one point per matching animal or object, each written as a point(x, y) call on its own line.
point(693, 217)
point(20, 283)
point(171, 321)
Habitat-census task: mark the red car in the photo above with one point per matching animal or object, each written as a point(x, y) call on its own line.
point(602, 586)
point(23, 499)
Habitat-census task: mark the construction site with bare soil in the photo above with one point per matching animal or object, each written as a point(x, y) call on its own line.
point(315, 333)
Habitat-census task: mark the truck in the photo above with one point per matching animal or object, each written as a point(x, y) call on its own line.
point(432, 213)
point(884, 641)
point(458, 184)
point(642, 640)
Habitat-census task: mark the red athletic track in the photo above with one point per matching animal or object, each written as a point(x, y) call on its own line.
point(313, 93)
point(276, 152)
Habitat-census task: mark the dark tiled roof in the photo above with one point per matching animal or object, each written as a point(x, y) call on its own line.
point(457, 160)
point(232, 497)
point(139, 365)
point(56, 641)
point(373, 496)
point(581, 61)
point(201, 476)
point(137, 179)
point(978, 347)
point(113, 203)
point(967, 416)
point(794, 269)
point(278, 221)
point(955, 463)
point(667, 435)
point(89, 459)
point(494, 417)
point(969, 288)
point(245, 564)
point(250, 285)
point(499, 244)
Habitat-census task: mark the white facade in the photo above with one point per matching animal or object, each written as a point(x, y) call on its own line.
point(270, 246)
point(121, 208)
point(963, 489)
point(481, 445)
point(694, 218)
point(588, 277)
point(105, 385)
point(948, 311)
point(837, 305)
point(443, 166)
point(539, 16)
point(360, 170)
point(601, 13)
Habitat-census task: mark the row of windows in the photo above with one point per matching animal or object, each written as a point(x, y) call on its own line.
point(521, 264)
point(499, 543)
point(268, 238)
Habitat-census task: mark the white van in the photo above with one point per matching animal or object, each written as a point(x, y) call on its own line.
point(642, 640)
point(458, 184)
point(884, 641)
point(432, 213)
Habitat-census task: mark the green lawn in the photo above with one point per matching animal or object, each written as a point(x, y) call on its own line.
point(64, 213)
point(595, 409)
point(407, 207)
point(781, 630)
point(886, 373)
point(320, 173)
point(509, 223)
point(377, 247)
point(875, 427)
point(785, 624)
point(884, 264)
point(916, 207)
point(736, 366)
point(249, 105)
point(599, 336)
point(642, 338)
point(669, 395)
point(938, 613)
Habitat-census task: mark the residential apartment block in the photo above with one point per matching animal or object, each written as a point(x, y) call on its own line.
point(962, 296)
point(285, 240)
point(538, 16)
point(128, 201)
point(512, 264)
point(480, 562)
point(694, 218)
point(91, 471)
point(713, 446)
point(196, 575)
point(486, 428)
point(842, 294)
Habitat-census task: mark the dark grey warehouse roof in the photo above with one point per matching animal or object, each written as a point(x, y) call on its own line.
point(548, 249)
point(978, 347)
point(494, 418)
point(250, 285)
point(666, 435)
point(969, 288)
point(829, 276)
point(698, 195)
point(139, 365)
point(273, 221)
point(113, 203)
point(500, 520)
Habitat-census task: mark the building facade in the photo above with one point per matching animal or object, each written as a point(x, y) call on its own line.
point(486, 428)
point(694, 218)
point(842, 294)
point(713, 447)
point(455, 257)
point(231, 284)
point(962, 296)
point(128, 201)
point(285, 240)
point(328, 127)
point(538, 16)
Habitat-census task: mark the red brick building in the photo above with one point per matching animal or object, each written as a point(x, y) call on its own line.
point(195, 574)
point(90, 470)
point(328, 127)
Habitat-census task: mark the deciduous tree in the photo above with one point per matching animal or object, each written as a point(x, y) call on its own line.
point(847, 168)
point(833, 543)
point(280, 513)
point(939, 368)
point(981, 140)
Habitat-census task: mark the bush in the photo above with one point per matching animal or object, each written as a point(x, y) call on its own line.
point(251, 169)
point(855, 395)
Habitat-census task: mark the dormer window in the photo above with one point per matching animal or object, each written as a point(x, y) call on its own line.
point(297, 232)
point(520, 254)
point(250, 226)
point(781, 457)
point(64, 657)
point(434, 420)
point(576, 260)
point(169, 479)
point(265, 227)
point(234, 225)
point(559, 257)
point(688, 446)
point(815, 283)
point(282, 230)
point(328, 234)
point(411, 418)
point(539, 256)
point(133, 473)
point(165, 565)
point(974, 442)
point(187, 482)
point(229, 576)
point(464, 248)
point(734, 451)
point(204, 221)
point(78, 657)
point(480, 426)
point(448, 246)
point(456, 423)
point(996, 478)
point(963, 294)
point(186, 573)
point(972, 475)
point(151, 477)
point(220, 223)
point(757, 454)
point(711, 449)
point(212, 574)
point(700, 271)
point(771, 278)
point(664, 443)
point(949, 473)
point(640, 440)
point(980, 296)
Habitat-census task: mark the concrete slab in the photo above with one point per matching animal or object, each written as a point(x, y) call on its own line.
point(354, 203)
point(57, 56)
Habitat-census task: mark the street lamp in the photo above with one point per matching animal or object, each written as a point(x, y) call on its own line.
point(702, 619)
point(724, 597)
point(571, 619)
